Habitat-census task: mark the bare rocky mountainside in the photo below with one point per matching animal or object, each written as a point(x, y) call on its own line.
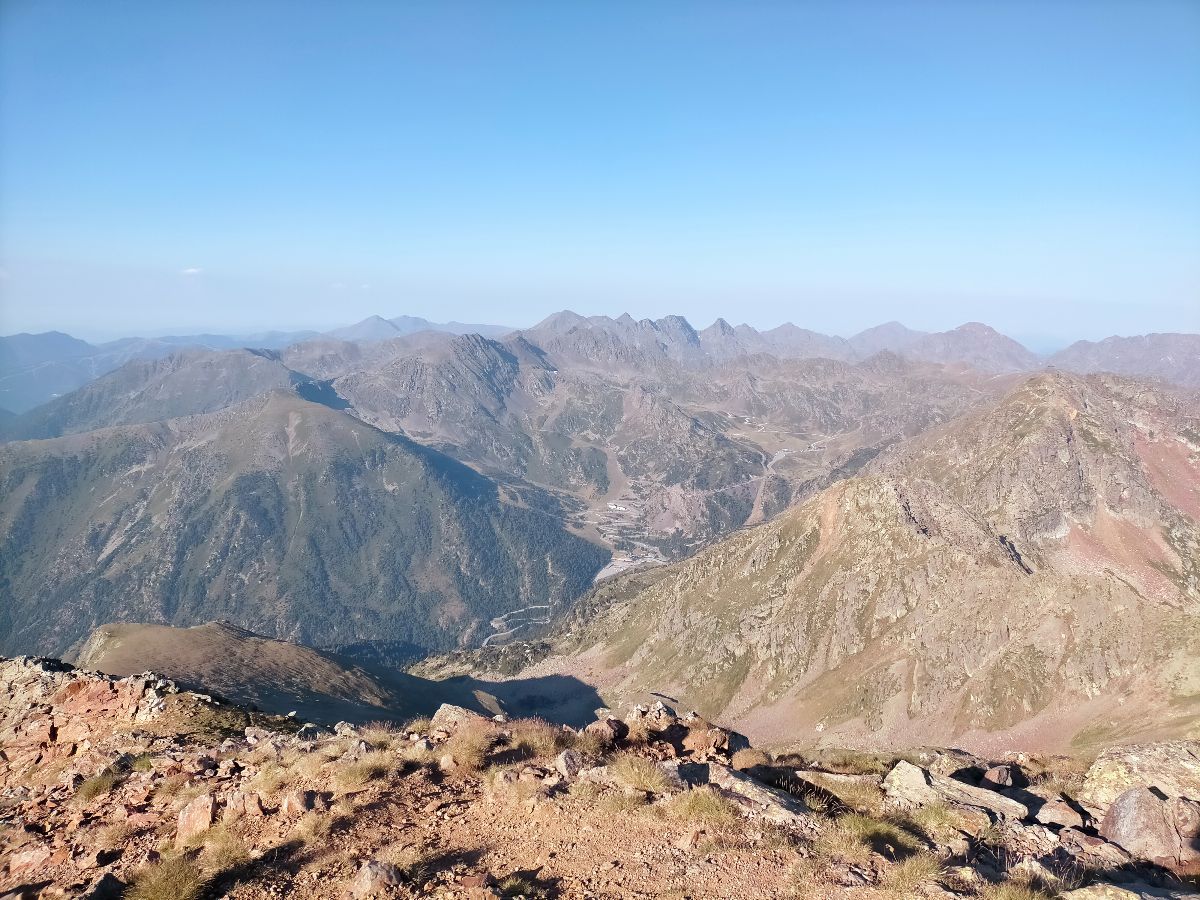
point(1171, 357)
point(280, 514)
point(1025, 575)
point(419, 490)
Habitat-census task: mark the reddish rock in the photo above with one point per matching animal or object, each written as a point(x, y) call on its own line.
point(998, 777)
point(609, 731)
point(296, 803)
point(196, 818)
point(245, 803)
point(1165, 832)
point(28, 860)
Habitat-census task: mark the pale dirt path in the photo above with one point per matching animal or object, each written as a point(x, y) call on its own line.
point(574, 848)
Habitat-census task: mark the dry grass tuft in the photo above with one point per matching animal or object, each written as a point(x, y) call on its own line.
point(144, 763)
point(640, 773)
point(584, 790)
point(620, 802)
point(223, 849)
point(110, 837)
point(905, 877)
point(380, 735)
point(640, 732)
point(173, 878)
point(933, 817)
point(517, 885)
point(1014, 890)
point(420, 725)
point(313, 826)
point(376, 764)
point(270, 779)
point(852, 838)
point(96, 786)
point(865, 797)
point(588, 744)
point(470, 744)
point(748, 759)
point(704, 805)
point(171, 786)
point(262, 752)
point(538, 737)
point(413, 862)
point(312, 764)
point(417, 757)
point(1061, 775)
point(853, 762)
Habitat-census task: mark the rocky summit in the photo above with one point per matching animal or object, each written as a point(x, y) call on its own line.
point(133, 787)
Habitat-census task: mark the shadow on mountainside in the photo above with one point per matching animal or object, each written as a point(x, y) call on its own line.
point(278, 677)
point(561, 699)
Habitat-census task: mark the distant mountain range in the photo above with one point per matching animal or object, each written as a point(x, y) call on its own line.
point(35, 368)
point(377, 328)
point(781, 515)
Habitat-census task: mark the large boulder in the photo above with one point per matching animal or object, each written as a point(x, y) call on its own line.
point(1163, 831)
point(1126, 891)
point(1173, 767)
point(449, 718)
point(909, 785)
point(756, 799)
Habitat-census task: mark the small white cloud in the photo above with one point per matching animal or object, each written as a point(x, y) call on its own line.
point(191, 270)
point(365, 287)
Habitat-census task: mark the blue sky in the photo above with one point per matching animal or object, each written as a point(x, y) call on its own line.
point(227, 165)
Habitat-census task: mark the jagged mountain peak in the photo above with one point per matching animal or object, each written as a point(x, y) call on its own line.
point(719, 327)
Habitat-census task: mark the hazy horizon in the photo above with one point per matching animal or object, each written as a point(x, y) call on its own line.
point(185, 167)
point(1037, 342)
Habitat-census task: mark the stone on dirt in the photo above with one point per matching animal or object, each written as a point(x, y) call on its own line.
point(1059, 812)
point(374, 879)
point(450, 718)
point(608, 730)
point(569, 763)
point(197, 817)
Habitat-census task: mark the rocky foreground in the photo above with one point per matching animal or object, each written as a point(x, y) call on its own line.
point(133, 788)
